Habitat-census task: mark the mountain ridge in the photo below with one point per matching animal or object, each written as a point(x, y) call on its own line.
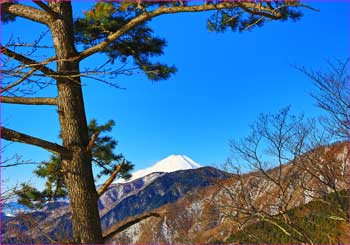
point(191, 204)
point(119, 202)
point(199, 217)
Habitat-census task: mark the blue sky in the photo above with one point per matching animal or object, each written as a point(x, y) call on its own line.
point(223, 82)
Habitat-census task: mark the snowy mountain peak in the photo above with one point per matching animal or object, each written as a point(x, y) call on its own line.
point(174, 163)
point(169, 164)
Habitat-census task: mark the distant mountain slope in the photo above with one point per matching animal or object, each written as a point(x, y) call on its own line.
point(203, 216)
point(117, 192)
point(121, 189)
point(166, 189)
point(195, 205)
point(120, 201)
point(11, 208)
point(199, 222)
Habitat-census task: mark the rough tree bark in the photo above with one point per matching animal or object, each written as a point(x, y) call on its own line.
point(77, 171)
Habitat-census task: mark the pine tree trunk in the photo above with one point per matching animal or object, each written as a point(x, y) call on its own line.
point(77, 171)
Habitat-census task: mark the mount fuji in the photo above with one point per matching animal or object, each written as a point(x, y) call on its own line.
point(165, 182)
point(169, 164)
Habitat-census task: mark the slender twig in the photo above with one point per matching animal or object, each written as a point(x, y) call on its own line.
point(19, 81)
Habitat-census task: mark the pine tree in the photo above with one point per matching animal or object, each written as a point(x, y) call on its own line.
point(55, 187)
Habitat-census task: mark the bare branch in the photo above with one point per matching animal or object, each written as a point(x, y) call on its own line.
point(92, 141)
point(129, 223)
point(109, 181)
point(28, 45)
point(19, 81)
point(247, 6)
point(333, 96)
point(28, 101)
point(27, 12)
point(12, 135)
point(15, 164)
point(29, 62)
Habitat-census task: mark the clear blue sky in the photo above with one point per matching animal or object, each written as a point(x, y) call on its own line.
point(223, 82)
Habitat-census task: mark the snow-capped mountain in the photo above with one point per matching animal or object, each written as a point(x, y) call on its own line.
point(169, 164)
point(120, 202)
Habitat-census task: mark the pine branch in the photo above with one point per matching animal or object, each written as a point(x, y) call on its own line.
point(15, 136)
point(249, 7)
point(109, 181)
point(26, 12)
point(47, 9)
point(28, 101)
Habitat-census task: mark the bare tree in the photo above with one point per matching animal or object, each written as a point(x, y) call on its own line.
point(332, 94)
point(290, 164)
point(290, 157)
